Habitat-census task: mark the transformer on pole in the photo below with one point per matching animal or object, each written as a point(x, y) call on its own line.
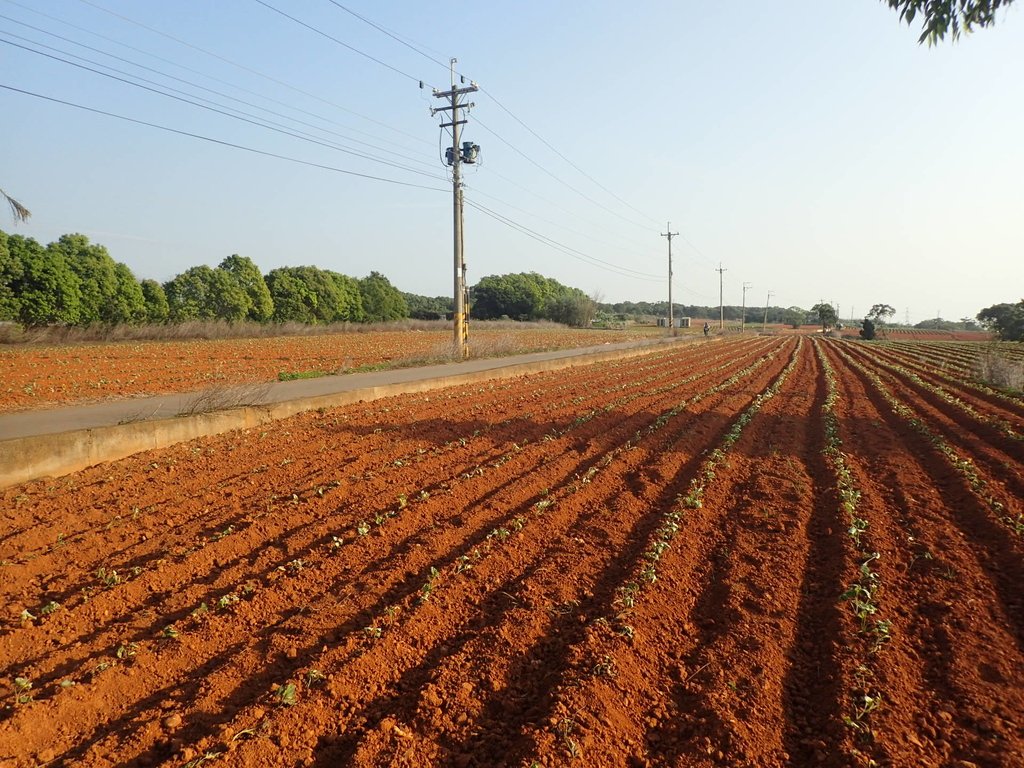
point(455, 155)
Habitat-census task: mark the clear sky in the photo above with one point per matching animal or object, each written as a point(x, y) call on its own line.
point(811, 147)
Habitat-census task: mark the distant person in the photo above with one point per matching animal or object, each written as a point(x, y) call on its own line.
point(707, 329)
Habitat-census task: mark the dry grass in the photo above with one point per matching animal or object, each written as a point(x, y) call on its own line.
point(11, 333)
point(999, 370)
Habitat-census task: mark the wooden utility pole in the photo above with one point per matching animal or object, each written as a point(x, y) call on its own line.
point(743, 311)
point(670, 234)
point(764, 325)
point(457, 155)
point(721, 305)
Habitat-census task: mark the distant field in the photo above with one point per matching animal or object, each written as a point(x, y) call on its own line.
point(38, 376)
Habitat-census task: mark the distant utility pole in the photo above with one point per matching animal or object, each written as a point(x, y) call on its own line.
point(721, 306)
point(764, 325)
point(743, 312)
point(456, 155)
point(670, 234)
point(906, 316)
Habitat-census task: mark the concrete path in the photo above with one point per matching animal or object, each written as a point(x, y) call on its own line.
point(61, 440)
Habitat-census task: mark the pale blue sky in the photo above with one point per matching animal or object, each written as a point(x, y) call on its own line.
point(811, 146)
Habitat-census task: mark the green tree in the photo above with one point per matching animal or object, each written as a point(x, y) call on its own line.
point(293, 300)
point(572, 307)
point(11, 273)
point(1005, 320)
point(47, 289)
point(349, 306)
point(312, 295)
point(381, 301)
point(249, 277)
point(155, 300)
point(794, 317)
point(427, 307)
point(128, 305)
point(96, 276)
point(880, 312)
point(514, 296)
point(826, 315)
point(941, 16)
point(867, 330)
point(202, 293)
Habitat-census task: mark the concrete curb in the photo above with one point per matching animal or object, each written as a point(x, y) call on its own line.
point(23, 459)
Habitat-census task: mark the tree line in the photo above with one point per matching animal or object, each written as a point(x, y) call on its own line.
point(75, 282)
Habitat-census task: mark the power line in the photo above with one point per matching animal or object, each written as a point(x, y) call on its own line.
point(221, 142)
point(584, 195)
point(339, 42)
point(252, 71)
point(498, 103)
point(248, 120)
point(543, 141)
point(536, 216)
point(568, 250)
point(390, 34)
point(191, 84)
point(635, 243)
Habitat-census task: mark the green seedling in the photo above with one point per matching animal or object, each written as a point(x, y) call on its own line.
point(127, 652)
point(606, 667)
point(51, 607)
point(22, 690)
point(372, 631)
point(313, 677)
point(226, 601)
point(362, 528)
point(26, 615)
point(170, 632)
point(108, 578)
point(286, 695)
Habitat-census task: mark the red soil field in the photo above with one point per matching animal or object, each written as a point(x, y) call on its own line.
point(38, 376)
point(762, 551)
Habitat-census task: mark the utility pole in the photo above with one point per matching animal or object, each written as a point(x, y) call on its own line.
point(721, 306)
point(670, 234)
point(456, 155)
point(764, 325)
point(743, 311)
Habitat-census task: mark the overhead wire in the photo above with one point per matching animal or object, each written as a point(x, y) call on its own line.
point(490, 95)
point(252, 71)
point(224, 112)
point(191, 84)
point(568, 250)
point(220, 142)
point(339, 42)
point(225, 82)
point(547, 144)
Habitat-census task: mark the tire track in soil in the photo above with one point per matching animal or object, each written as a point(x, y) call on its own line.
point(548, 644)
point(293, 665)
point(953, 674)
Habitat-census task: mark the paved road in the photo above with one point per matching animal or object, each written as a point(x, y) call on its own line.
point(57, 420)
